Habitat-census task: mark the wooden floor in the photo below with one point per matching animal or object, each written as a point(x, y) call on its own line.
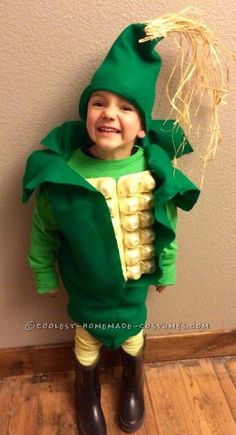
point(189, 397)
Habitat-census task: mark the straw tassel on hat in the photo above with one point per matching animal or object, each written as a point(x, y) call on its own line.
point(202, 62)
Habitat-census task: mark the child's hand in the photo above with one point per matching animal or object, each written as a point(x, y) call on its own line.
point(159, 288)
point(53, 293)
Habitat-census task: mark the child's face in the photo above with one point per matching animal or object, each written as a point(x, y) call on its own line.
point(113, 123)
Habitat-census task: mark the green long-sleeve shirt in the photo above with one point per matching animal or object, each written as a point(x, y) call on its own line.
point(46, 234)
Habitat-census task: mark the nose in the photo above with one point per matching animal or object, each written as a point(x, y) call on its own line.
point(108, 112)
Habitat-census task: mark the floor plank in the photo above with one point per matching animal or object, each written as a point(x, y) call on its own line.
point(19, 406)
point(225, 369)
point(56, 405)
point(169, 401)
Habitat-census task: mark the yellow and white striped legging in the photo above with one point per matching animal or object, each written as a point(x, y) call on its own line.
point(87, 347)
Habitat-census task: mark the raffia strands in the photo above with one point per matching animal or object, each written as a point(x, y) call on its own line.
point(202, 67)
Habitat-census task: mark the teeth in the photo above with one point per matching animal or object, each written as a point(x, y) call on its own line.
point(108, 129)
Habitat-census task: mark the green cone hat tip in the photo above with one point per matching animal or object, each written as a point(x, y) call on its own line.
point(130, 70)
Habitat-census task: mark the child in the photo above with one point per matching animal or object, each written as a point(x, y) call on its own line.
point(105, 211)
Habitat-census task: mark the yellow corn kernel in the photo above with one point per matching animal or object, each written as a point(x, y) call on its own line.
point(146, 235)
point(147, 252)
point(132, 256)
point(146, 218)
point(145, 201)
point(129, 205)
point(131, 239)
point(130, 222)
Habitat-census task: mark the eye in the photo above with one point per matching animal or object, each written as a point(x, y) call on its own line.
point(127, 108)
point(97, 103)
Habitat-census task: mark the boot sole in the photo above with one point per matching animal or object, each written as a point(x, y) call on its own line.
point(128, 428)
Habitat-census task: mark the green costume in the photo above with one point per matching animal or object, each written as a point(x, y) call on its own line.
point(99, 297)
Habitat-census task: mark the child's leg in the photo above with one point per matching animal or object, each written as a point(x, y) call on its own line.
point(132, 400)
point(88, 390)
point(87, 347)
point(134, 345)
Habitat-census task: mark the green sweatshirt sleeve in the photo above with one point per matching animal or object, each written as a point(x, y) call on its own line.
point(168, 259)
point(44, 245)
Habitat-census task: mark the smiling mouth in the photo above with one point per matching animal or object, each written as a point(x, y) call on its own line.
point(109, 130)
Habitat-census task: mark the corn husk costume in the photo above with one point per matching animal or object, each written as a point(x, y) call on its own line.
point(108, 253)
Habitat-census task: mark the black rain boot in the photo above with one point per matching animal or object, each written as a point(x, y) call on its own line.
point(88, 392)
point(132, 400)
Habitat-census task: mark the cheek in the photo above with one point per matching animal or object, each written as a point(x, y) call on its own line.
point(90, 121)
point(133, 127)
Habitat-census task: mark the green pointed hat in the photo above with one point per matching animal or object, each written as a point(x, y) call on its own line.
point(130, 70)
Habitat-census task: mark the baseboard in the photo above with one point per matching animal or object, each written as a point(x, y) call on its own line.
point(60, 357)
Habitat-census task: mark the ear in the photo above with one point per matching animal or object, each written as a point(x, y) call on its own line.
point(141, 134)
